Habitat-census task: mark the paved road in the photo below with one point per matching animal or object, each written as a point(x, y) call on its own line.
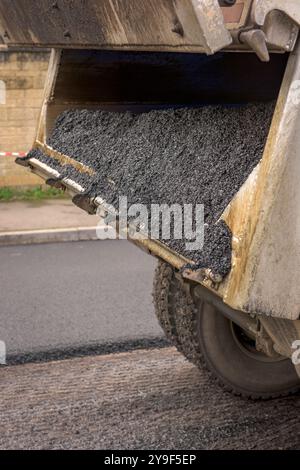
point(136, 400)
point(73, 295)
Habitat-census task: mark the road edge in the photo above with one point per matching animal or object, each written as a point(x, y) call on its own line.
point(27, 237)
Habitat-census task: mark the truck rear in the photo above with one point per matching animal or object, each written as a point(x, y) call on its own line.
point(178, 123)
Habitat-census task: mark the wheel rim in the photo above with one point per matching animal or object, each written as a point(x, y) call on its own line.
point(247, 345)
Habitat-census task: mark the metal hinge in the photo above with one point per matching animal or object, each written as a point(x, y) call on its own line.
point(257, 38)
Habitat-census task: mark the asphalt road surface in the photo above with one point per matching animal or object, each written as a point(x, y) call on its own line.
point(146, 399)
point(72, 297)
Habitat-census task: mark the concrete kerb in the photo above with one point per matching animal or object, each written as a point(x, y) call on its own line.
point(48, 236)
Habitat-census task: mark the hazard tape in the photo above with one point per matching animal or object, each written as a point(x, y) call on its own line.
point(13, 154)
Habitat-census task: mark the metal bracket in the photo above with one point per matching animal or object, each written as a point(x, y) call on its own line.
point(261, 9)
point(264, 342)
point(211, 21)
point(22, 161)
point(256, 39)
point(56, 183)
point(85, 203)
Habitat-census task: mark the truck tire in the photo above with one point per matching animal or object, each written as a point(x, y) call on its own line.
point(207, 338)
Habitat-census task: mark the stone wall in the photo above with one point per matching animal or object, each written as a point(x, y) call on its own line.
point(24, 75)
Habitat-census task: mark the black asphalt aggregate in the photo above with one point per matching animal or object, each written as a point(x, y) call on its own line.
point(173, 156)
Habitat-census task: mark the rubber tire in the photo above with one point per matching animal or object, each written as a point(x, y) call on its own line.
point(204, 336)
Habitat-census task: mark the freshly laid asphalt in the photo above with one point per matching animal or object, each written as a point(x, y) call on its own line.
point(80, 297)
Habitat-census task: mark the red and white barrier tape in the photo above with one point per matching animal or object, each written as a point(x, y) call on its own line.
point(13, 154)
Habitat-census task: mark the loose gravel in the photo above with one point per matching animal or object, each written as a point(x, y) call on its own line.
point(173, 156)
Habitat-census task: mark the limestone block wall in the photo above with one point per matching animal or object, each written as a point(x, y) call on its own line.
point(23, 75)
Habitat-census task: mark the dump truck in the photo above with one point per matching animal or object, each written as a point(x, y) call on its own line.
point(185, 102)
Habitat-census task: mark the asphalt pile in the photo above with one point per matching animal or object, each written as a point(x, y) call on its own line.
point(172, 156)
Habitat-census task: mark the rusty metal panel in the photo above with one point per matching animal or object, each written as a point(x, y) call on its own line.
point(149, 24)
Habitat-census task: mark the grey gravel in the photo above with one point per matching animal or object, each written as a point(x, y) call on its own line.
point(184, 156)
